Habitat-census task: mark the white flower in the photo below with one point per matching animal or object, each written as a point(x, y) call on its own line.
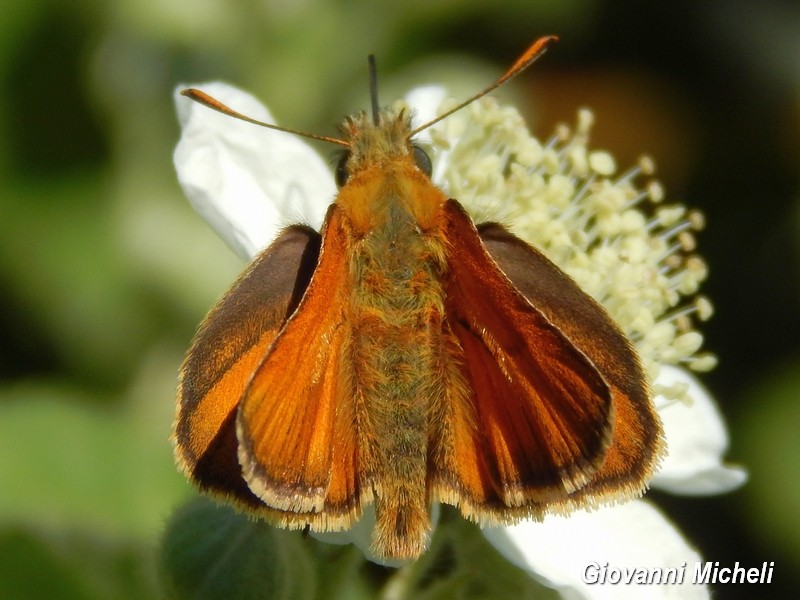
point(567, 200)
point(247, 186)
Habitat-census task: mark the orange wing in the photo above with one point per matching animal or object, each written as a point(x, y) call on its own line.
point(228, 346)
point(297, 421)
point(637, 445)
point(537, 420)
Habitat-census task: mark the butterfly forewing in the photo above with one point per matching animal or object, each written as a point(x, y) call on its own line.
point(637, 443)
point(539, 416)
point(229, 345)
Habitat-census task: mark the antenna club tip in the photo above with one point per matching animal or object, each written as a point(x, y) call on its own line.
point(197, 96)
point(542, 44)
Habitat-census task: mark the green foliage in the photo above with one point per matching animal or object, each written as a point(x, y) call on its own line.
point(212, 552)
point(771, 444)
point(73, 566)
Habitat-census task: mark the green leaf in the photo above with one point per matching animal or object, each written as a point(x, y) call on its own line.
point(69, 462)
point(72, 566)
point(767, 437)
point(211, 552)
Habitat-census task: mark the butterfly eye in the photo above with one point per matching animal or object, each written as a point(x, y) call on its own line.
point(422, 160)
point(342, 174)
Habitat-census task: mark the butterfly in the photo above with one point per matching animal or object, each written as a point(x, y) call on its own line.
point(404, 356)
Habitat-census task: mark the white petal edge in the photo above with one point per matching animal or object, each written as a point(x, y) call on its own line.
point(246, 181)
point(696, 441)
point(562, 552)
point(360, 535)
point(426, 102)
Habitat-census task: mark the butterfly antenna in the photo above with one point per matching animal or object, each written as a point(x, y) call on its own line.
point(213, 103)
point(373, 89)
point(527, 58)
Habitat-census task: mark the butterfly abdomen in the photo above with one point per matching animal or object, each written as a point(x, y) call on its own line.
point(395, 308)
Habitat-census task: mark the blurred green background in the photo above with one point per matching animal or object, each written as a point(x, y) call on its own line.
point(105, 271)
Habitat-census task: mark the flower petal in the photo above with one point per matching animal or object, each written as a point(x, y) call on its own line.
point(696, 441)
point(565, 552)
point(247, 182)
point(360, 535)
point(425, 100)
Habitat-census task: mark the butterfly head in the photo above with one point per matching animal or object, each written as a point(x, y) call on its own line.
point(378, 142)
